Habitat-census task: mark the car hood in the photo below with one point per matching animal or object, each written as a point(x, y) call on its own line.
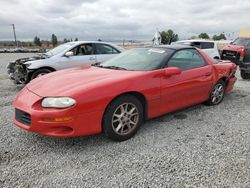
point(29, 59)
point(232, 47)
point(65, 82)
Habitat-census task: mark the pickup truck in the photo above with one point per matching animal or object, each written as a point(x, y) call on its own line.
point(238, 52)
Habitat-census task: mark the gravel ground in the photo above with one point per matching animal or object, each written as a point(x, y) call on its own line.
point(197, 147)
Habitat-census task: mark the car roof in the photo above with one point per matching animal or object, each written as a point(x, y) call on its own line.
point(196, 40)
point(82, 42)
point(97, 42)
point(174, 47)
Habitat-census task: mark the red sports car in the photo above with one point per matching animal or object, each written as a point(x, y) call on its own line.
point(115, 97)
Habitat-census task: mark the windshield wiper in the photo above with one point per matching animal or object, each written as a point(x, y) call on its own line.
point(114, 67)
point(96, 65)
point(108, 67)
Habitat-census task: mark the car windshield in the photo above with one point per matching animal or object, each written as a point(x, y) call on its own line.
point(241, 41)
point(139, 59)
point(59, 49)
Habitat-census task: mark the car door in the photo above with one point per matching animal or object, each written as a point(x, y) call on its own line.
point(83, 54)
point(192, 86)
point(104, 52)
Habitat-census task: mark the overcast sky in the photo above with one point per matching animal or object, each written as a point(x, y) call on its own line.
point(116, 19)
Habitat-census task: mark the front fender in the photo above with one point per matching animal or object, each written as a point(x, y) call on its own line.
point(33, 65)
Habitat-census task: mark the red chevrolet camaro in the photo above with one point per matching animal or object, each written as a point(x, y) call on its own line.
point(115, 97)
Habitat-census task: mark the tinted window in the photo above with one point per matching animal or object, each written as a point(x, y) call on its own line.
point(207, 45)
point(105, 49)
point(186, 59)
point(83, 49)
point(196, 44)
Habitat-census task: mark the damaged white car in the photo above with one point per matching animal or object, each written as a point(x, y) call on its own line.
point(68, 55)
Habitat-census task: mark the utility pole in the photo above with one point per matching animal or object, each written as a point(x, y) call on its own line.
point(14, 31)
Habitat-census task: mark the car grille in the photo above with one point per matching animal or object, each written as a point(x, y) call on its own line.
point(22, 117)
point(231, 55)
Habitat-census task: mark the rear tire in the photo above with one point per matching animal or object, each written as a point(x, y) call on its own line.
point(40, 72)
point(122, 118)
point(244, 75)
point(217, 94)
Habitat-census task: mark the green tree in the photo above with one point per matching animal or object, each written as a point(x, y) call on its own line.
point(54, 40)
point(203, 36)
point(37, 41)
point(193, 37)
point(168, 36)
point(220, 37)
point(65, 40)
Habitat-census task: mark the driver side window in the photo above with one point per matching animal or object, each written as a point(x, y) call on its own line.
point(186, 59)
point(83, 49)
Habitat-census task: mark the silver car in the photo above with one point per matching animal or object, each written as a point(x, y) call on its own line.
point(71, 54)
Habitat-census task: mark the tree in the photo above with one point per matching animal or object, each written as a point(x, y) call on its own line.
point(193, 37)
point(203, 36)
point(168, 36)
point(37, 41)
point(220, 37)
point(76, 39)
point(65, 40)
point(54, 40)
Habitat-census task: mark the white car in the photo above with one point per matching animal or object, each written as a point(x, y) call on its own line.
point(71, 54)
point(208, 46)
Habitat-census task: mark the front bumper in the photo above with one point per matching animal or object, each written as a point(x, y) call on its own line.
point(230, 84)
point(10, 70)
point(80, 124)
point(19, 73)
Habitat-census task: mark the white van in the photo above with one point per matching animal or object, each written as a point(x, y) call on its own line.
point(208, 46)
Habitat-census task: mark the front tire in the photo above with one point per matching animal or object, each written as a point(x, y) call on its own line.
point(40, 72)
point(217, 94)
point(244, 75)
point(123, 118)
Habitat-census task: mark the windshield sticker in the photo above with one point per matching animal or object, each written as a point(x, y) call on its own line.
point(156, 51)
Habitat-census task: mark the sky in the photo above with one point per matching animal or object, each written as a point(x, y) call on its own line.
point(118, 20)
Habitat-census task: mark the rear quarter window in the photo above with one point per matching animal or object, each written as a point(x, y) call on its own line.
point(207, 45)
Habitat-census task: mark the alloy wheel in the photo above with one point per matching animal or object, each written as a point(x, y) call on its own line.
point(217, 93)
point(125, 118)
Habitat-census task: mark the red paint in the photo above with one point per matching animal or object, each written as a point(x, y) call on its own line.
point(94, 88)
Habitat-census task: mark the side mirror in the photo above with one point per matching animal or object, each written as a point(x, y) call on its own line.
point(171, 71)
point(68, 54)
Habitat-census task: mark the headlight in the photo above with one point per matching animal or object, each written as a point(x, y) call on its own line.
point(58, 102)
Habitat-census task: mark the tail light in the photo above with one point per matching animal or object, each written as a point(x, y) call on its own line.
point(242, 54)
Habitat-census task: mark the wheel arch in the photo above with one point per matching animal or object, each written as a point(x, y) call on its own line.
point(34, 70)
point(224, 79)
point(137, 95)
point(47, 67)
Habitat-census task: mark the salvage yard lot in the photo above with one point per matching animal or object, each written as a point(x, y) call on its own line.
point(200, 146)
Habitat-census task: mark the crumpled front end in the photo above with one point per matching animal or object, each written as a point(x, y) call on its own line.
point(18, 71)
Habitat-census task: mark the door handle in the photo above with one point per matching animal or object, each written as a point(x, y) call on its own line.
point(208, 74)
point(91, 58)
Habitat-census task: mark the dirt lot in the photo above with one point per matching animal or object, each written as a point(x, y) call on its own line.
point(197, 147)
